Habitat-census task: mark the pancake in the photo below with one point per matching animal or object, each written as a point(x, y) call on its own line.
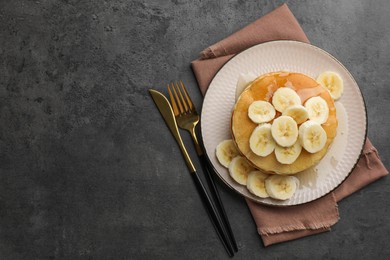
point(263, 88)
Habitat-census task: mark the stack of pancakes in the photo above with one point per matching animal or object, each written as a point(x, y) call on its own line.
point(263, 88)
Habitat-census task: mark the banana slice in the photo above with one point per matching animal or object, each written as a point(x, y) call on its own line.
point(261, 141)
point(297, 112)
point(288, 155)
point(333, 82)
point(256, 184)
point(281, 187)
point(239, 169)
point(243, 81)
point(261, 111)
point(226, 151)
point(317, 109)
point(284, 130)
point(285, 97)
point(312, 136)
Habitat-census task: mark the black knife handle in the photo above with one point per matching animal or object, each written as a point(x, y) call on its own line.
point(208, 169)
point(212, 212)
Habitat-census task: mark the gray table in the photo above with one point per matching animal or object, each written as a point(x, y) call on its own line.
point(88, 169)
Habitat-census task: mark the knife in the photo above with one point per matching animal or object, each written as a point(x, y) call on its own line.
point(166, 111)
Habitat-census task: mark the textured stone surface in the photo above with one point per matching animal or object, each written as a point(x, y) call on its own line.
point(88, 169)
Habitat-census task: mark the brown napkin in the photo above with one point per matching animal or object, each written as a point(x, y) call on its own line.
point(275, 224)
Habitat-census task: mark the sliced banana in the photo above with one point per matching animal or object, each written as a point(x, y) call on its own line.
point(333, 82)
point(297, 112)
point(288, 155)
point(284, 130)
point(317, 109)
point(285, 97)
point(261, 141)
point(239, 168)
point(244, 79)
point(281, 187)
point(312, 136)
point(226, 151)
point(261, 111)
point(256, 183)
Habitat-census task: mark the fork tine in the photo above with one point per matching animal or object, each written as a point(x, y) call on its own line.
point(182, 98)
point(177, 99)
point(189, 101)
point(173, 102)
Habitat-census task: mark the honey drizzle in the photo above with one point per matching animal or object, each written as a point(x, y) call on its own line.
point(304, 92)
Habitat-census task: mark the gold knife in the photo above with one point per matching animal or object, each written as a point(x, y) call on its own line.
point(169, 117)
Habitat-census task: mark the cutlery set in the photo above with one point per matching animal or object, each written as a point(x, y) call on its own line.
point(181, 112)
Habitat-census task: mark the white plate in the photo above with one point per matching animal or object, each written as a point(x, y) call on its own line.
point(294, 57)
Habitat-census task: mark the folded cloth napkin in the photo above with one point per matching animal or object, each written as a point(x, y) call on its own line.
point(279, 224)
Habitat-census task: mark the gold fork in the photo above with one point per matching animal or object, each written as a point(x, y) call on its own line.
point(187, 118)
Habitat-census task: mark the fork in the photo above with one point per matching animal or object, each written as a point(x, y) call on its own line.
point(187, 118)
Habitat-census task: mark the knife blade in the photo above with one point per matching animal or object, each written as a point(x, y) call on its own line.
point(169, 117)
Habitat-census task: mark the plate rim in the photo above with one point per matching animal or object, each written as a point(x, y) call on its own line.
point(346, 70)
